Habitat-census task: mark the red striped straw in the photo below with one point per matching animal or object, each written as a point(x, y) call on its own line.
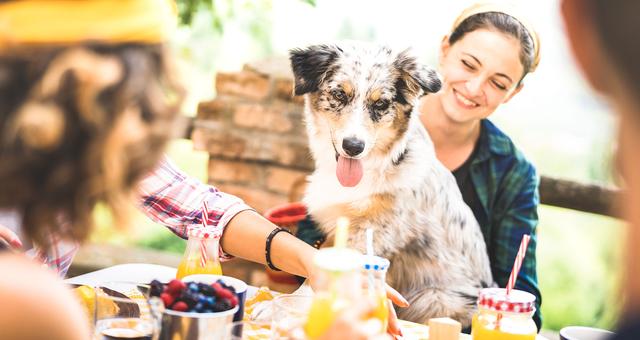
point(203, 245)
point(522, 251)
point(518, 263)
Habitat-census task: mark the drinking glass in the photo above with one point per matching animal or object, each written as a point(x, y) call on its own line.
point(122, 311)
point(290, 313)
point(247, 330)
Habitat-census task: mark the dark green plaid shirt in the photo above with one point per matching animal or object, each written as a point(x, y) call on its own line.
point(501, 187)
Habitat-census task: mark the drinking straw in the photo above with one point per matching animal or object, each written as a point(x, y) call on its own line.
point(369, 234)
point(203, 245)
point(342, 232)
point(518, 263)
point(522, 251)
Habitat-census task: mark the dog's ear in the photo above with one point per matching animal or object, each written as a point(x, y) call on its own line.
point(416, 79)
point(310, 66)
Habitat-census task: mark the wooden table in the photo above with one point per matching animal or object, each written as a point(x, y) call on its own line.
point(143, 272)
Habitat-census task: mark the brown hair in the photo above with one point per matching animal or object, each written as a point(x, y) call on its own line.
point(617, 24)
point(79, 125)
point(506, 24)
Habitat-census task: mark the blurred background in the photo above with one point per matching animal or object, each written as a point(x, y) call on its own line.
point(564, 128)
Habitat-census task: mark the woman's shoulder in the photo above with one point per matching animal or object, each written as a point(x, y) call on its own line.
point(41, 305)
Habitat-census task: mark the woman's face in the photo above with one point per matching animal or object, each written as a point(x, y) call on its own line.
point(480, 71)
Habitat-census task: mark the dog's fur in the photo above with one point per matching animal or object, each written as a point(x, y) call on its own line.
point(411, 201)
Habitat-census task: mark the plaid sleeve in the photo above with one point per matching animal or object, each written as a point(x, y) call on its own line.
point(519, 217)
point(172, 198)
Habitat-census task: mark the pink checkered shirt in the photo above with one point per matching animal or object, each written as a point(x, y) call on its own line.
point(169, 197)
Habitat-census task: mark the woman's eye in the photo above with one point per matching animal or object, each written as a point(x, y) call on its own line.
point(381, 105)
point(339, 95)
point(499, 85)
point(467, 64)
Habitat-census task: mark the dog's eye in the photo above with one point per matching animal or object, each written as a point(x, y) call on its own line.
point(339, 95)
point(381, 105)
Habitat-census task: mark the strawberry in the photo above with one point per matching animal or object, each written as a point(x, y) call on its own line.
point(180, 306)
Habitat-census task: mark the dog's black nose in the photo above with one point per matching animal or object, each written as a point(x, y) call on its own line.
point(352, 146)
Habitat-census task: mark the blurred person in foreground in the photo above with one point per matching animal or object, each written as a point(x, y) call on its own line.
point(603, 37)
point(87, 102)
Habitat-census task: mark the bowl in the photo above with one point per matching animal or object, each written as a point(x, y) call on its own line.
point(195, 326)
point(584, 333)
point(239, 285)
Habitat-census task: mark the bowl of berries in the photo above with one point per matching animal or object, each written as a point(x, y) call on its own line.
point(193, 310)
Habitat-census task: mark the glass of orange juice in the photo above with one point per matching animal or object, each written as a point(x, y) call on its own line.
point(201, 254)
point(375, 272)
point(338, 286)
point(504, 317)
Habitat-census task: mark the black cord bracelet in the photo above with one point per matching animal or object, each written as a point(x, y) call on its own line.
point(267, 248)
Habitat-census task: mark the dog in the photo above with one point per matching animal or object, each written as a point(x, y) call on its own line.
point(376, 165)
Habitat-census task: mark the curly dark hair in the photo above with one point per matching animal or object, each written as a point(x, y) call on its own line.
point(79, 126)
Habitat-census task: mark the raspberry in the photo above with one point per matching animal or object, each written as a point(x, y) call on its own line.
point(180, 306)
point(175, 287)
point(167, 299)
point(225, 293)
point(233, 301)
point(217, 287)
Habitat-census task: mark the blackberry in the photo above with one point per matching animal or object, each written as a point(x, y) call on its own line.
point(207, 290)
point(156, 288)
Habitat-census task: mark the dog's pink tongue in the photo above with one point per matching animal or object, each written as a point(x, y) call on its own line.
point(349, 171)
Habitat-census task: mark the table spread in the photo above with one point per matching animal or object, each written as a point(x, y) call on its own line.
point(142, 272)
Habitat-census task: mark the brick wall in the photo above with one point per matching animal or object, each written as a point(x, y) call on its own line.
point(255, 136)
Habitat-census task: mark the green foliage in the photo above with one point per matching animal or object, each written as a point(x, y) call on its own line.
point(219, 10)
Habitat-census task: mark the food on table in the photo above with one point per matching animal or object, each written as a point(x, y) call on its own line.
point(87, 297)
point(444, 329)
point(195, 297)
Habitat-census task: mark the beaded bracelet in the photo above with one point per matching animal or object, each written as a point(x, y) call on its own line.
point(267, 250)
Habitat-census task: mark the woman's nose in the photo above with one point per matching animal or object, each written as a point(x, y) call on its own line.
point(474, 86)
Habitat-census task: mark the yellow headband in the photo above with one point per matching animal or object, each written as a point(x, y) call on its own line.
point(74, 21)
point(510, 11)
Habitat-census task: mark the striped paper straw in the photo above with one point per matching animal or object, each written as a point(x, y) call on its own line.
point(203, 245)
point(518, 263)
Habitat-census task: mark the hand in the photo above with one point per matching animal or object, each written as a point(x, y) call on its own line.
point(351, 325)
point(8, 236)
point(398, 299)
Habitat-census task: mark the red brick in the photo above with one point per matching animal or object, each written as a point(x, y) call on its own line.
point(219, 143)
point(259, 199)
point(216, 110)
point(245, 83)
point(233, 171)
point(285, 181)
point(258, 116)
point(283, 89)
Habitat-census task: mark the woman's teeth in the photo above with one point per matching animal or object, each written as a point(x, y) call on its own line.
point(464, 100)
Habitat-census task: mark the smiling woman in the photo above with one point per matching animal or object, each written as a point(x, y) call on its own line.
point(483, 62)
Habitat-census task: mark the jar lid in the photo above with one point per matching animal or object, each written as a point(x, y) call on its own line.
point(496, 299)
point(338, 259)
point(197, 230)
point(375, 263)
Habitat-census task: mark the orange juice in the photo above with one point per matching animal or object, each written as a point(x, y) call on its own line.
point(381, 312)
point(201, 254)
point(192, 265)
point(508, 330)
point(504, 317)
point(338, 286)
point(375, 270)
point(324, 309)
